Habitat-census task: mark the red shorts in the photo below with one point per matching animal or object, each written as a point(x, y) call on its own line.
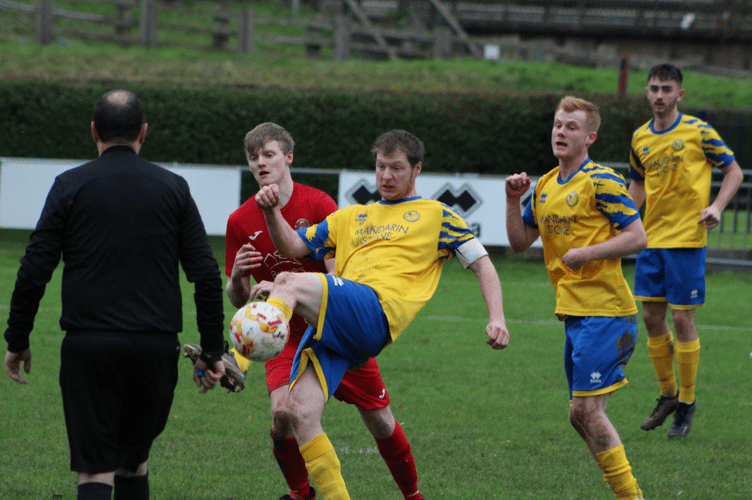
point(363, 387)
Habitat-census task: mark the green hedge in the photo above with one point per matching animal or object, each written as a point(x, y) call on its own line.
point(463, 132)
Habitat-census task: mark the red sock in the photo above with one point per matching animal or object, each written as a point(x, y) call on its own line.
point(292, 465)
point(396, 452)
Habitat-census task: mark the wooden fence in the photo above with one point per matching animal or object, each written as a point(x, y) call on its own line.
point(342, 34)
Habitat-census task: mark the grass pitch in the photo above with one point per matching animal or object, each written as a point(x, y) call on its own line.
point(482, 423)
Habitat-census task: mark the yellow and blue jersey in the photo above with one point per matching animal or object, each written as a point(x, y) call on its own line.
point(396, 248)
point(675, 165)
point(588, 208)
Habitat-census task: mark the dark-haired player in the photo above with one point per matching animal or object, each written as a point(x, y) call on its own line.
point(671, 158)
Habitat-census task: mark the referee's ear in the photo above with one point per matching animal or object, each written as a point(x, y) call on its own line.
point(94, 134)
point(142, 134)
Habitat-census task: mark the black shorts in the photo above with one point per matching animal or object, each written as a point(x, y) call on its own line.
point(117, 393)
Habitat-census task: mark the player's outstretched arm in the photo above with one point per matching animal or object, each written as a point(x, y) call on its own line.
point(284, 237)
point(520, 235)
point(490, 289)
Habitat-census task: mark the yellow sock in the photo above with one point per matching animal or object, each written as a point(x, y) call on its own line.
point(282, 305)
point(243, 362)
point(323, 466)
point(661, 351)
point(688, 358)
point(618, 473)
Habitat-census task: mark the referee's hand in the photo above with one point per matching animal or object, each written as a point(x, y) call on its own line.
point(13, 365)
point(207, 378)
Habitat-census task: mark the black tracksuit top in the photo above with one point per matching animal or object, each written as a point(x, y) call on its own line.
point(123, 227)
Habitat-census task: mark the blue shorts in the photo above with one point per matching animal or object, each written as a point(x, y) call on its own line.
point(352, 328)
point(596, 350)
point(675, 275)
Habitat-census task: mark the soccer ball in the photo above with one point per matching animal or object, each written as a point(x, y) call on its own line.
point(259, 331)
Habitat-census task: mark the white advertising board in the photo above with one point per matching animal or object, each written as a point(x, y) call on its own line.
point(25, 182)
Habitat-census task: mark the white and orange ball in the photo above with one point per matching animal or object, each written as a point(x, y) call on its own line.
point(259, 331)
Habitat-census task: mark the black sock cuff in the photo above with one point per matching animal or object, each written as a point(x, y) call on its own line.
point(94, 491)
point(132, 487)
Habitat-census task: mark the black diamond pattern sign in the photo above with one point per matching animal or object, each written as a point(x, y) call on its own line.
point(363, 193)
point(464, 200)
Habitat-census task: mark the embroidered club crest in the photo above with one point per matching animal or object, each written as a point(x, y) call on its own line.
point(572, 199)
point(411, 216)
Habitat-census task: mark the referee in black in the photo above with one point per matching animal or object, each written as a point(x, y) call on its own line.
point(123, 227)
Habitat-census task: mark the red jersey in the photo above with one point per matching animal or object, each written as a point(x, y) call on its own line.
point(307, 206)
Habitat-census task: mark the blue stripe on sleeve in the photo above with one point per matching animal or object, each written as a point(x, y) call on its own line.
point(720, 160)
point(621, 220)
point(527, 215)
point(612, 176)
point(317, 240)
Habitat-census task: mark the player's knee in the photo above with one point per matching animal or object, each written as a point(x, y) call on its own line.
point(576, 417)
point(683, 320)
point(652, 318)
point(285, 280)
point(281, 421)
point(581, 415)
point(380, 423)
point(577, 424)
point(300, 414)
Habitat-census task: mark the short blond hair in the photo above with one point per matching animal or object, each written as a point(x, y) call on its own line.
point(571, 104)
